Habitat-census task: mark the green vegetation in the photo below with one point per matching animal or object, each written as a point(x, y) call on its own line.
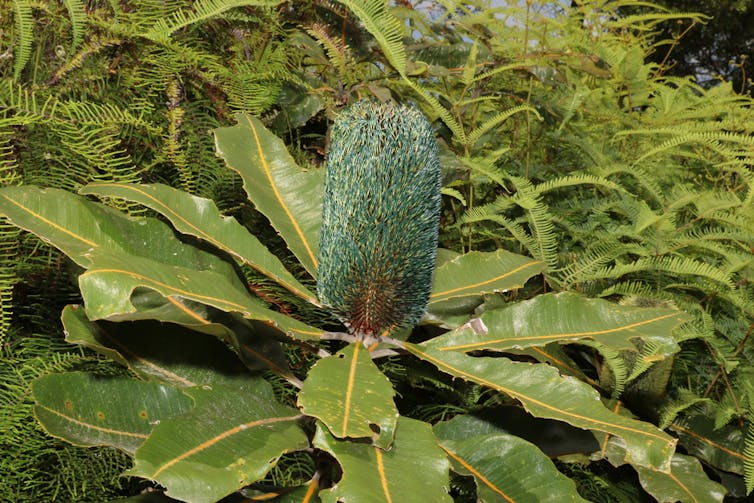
point(588, 331)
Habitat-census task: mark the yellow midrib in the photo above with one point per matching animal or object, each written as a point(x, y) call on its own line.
point(278, 196)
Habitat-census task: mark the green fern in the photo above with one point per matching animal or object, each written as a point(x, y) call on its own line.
point(474, 135)
point(337, 51)
point(384, 27)
point(77, 16)
point(24, 35)
point(749, 456)
point(201, 11)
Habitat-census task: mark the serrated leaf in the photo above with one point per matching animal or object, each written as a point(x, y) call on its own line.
point(107, 288)
point(566, 317)
point(476, 273)
point(545, 393)
point(231, 438)
point(108, 283)
point(506, 467)
point(414, 470)
point(79, 228)
point(288, 196)
point(722, 448)
point(686, 482)
point(162, 351)
point(79, 408)
point(200, 217)
point(348, 393)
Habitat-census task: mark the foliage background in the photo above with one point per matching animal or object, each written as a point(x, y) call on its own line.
point(564, 137)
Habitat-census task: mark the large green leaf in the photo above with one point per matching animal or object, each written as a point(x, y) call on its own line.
point(476, 273)
point(414, 470)
point(80, 408)
point(163, 351)
point(200, 217)
point(288, 196)
point(687, 483)
point(720, 447)
point(231, 438)
point(133, 253)
point(348, 393)
point(566, 317)
point(79, 227)
point(506, 468)
point(107, 287)
point(545, 393)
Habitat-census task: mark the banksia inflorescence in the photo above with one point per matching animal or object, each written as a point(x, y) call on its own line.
point(380, 218)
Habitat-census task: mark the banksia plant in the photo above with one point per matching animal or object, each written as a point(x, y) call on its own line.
point(380, 218)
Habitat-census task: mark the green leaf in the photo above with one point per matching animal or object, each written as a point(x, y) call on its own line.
point(686, 482)
point(566, 317)
point(108, 283)
point(200, 217)
point(107, 288)
point(476, 273)
point(506, 468)
point(348, 393)
point(414, 470)
point(231, 438)
point(162, 351)
point(720, 447)
point(545, 393)
point(79, 227)
point(288, 196)
point(79, 408)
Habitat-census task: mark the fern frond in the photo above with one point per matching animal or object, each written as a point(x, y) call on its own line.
point(593, 258)
point(439, 111)
point(384, 27)
point(202, 10)
point(496, 120)
point(648, 182)
point(77, 16)
point(337, 51)
point(614, 370)
point(24, 35)
point(749, 455)
point(673, 265)
point(650, 20)
point(576, 180)
point(172, 145)
point(540, 220)
point(649, 355)
point(9, 234)
point(24, 104)
point(487, 214)
point(686, 400)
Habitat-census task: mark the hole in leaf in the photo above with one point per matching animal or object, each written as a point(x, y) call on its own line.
point(375, 428)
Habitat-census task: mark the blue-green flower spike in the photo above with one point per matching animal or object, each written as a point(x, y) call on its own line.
point(380, 218)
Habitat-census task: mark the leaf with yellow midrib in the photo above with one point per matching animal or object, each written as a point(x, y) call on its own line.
point(545, 393)
point(288, 196)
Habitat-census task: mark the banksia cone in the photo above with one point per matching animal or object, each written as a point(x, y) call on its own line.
point(380, 218)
